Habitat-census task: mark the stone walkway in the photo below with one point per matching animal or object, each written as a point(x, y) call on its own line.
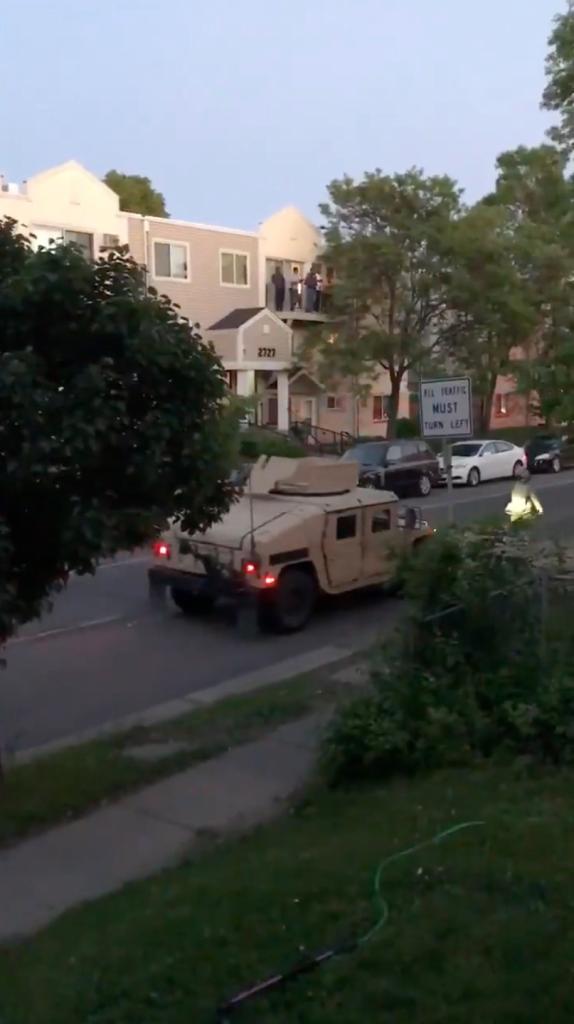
point(42, 877)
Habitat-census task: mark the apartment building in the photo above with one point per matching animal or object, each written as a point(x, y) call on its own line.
point(225, 280)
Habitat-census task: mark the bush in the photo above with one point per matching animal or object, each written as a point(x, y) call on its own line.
point(474, 672)
point(406, 427)
point(256, 442)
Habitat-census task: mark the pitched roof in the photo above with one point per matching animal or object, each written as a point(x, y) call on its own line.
point(235, 319)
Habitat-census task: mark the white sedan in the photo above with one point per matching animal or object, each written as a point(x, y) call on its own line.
point(475, 461)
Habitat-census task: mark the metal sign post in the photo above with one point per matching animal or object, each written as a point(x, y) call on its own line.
point(446, 412)
point(447, 461)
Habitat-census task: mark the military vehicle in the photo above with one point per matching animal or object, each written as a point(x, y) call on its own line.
point(300, 528)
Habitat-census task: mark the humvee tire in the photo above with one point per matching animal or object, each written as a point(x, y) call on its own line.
point(289, 606)
point(191, 604)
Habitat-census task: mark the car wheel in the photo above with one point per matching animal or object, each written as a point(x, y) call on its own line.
point(555, 465)
point(473, 478)
point(289, 606)
point(191, 604)
point(424, 485)
point(517, 469)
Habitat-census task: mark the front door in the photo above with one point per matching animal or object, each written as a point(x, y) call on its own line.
point(343, 548)
point(396, 472)
point(304, 409)
point(379, 553)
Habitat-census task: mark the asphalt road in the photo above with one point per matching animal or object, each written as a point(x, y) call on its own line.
point(103, 652)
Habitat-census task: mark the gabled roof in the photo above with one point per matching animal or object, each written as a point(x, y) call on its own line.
point(237, 317)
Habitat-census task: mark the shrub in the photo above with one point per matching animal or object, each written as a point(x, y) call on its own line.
point(406, 427)
point(474, 672)
point(256, 442)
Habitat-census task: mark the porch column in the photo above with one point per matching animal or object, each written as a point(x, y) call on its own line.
point(245, 383)
point(283, 400)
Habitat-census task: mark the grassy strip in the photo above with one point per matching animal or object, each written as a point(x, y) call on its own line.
point(480, 926)
point(68, 783)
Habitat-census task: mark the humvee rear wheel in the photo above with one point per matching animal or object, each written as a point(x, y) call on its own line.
point(289, 606)
point(191, 604)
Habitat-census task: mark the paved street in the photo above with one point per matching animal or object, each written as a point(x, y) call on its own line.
point(102, 653)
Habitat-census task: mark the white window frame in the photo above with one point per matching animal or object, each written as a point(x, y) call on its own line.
point(171, 241)
point(502, 402)
point(234, 252)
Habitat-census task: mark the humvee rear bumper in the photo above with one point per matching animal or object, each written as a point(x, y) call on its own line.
point(213, 585)
point(242, 599)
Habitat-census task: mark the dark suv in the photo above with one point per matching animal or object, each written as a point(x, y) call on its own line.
point(402, 466)
point(547, 454)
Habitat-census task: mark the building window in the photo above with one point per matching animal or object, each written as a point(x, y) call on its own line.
point(234, 269)
point(47, 238)
point(170, 260)
point(82, 241)
point(335, 402)
point(501, 405)
point(346, 527)
point(380, 408)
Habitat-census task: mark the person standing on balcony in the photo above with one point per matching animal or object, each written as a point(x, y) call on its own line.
point(310, 291)
point(296, 289)
point(318, 292)
point(278, 282)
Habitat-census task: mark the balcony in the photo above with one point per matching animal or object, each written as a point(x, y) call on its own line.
point(304, 307)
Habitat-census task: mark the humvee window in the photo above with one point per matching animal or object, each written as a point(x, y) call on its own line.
point(381, 521)
point(346, 527)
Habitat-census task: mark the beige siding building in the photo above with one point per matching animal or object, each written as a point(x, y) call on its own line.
point(207, 270)
point(69, 204)
point(246, 289)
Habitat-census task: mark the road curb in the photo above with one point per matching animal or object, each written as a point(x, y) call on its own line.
point(243, 684)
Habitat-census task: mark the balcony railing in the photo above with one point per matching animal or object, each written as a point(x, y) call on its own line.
point(308, 304)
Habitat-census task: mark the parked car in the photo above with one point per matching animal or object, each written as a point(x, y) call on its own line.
point(402, 466)
point(547, 454)
point(476, 461)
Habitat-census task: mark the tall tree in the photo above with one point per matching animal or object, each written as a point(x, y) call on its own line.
point(112, 419)
point(137, 194)
point(492, 307)
point(559, 92)
point(386, 240)
point(538, 196)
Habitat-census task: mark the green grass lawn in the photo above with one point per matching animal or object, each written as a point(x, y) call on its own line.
point(68, 783)
point(480, 927)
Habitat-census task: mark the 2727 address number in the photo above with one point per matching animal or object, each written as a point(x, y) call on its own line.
point(266, 353)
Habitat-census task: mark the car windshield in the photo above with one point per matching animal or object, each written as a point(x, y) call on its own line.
point(367, 454)
point(465, 450)
point(542, 444)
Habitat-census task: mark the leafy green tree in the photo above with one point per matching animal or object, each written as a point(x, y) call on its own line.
point(492, 306)
point(137, 194)
point(538, 197)
point(386, 240)
point(113, 419)
point(559, 92)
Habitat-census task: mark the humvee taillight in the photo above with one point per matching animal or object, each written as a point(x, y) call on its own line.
point(250, 568)
point(161, 549)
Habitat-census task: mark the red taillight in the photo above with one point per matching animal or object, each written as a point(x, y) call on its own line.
point(250, 568)
point(270, 580)
point(161, 549)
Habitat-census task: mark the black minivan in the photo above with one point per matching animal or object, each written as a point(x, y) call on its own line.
point(403, 466)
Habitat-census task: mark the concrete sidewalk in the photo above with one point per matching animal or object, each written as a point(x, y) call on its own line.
point(153, 828)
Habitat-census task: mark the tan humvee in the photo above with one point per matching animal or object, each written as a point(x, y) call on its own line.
point(301, 528)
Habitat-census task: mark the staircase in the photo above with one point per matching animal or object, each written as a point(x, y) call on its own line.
point(320, 440)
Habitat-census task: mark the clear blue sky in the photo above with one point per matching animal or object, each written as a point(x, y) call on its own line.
point(235, 108)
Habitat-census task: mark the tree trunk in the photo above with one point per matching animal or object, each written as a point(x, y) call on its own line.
point(394, 399)
point(485, 406)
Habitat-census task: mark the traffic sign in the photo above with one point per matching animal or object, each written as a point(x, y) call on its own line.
point(446, 407)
